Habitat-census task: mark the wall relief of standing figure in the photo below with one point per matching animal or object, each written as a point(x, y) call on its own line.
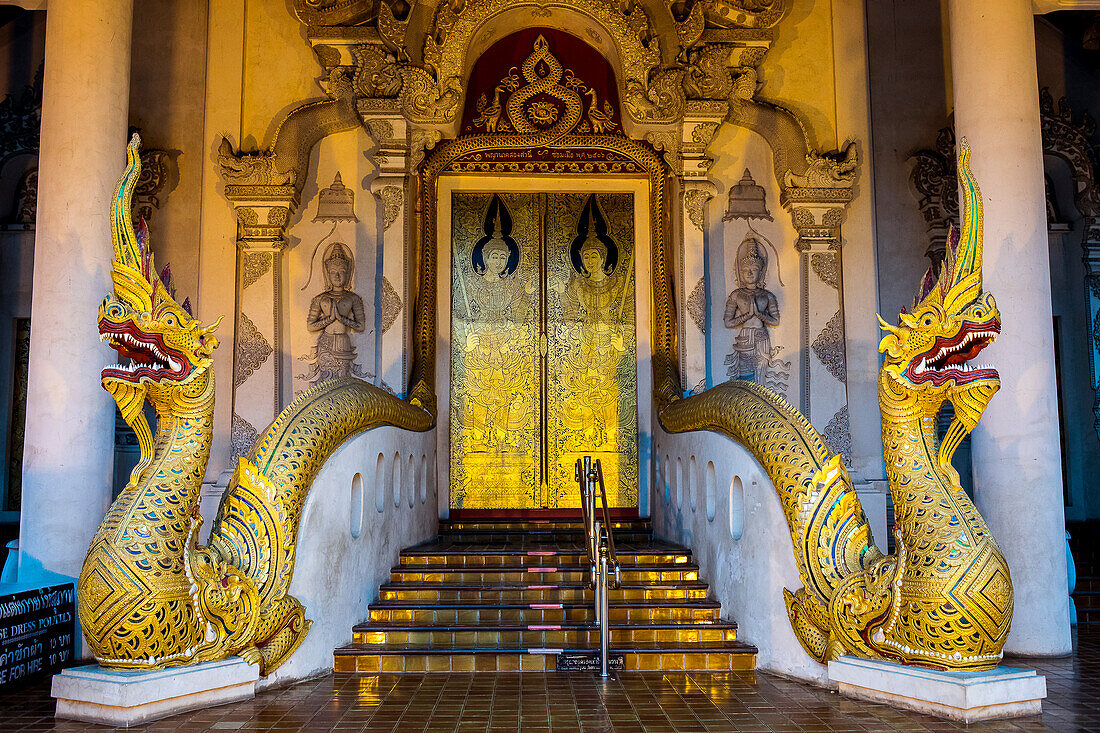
point(334, 315)
point(751, 310)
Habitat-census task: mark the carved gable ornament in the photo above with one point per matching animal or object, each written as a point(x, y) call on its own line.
point(541, 100)
point(638, 55)
point(541, 97)
point(663, 55)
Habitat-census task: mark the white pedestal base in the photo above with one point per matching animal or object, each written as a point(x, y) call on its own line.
point(1004, 692)
point(129, 697)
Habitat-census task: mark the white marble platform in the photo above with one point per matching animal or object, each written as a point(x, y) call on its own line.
point(131, 697)
point(1004, 692)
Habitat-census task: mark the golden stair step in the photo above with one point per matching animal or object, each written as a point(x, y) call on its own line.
point(355, 658)
point(574, 525)
point(539, 613)
point(548, 574)
point(533, 558)
point(576, 634)
point(534, 593)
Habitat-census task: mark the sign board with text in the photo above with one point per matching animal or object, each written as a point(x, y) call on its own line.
point(37, 633)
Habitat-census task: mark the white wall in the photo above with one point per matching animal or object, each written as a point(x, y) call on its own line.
point(710, 494)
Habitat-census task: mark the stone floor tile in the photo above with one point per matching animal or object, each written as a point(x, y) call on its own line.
point(635, 702)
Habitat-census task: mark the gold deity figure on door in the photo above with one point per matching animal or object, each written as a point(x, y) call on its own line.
point(496, 305)
point(495, 294)
point(752, 310)
point(336, 313)
point(592, 307)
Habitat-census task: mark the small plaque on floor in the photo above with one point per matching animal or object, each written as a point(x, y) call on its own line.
point(588, 662)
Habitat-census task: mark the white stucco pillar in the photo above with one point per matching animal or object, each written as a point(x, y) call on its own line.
point(69, 444)
point(1017, 468)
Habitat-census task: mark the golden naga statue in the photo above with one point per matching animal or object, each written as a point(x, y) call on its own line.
point(944, 600)
point(149, 595)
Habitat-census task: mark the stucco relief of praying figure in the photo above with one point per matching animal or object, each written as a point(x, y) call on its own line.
point(751, 310)
point(335, 313)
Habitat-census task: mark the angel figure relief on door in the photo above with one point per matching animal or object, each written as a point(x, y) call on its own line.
point(495, 302)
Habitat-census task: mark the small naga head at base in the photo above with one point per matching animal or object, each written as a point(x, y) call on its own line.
point(169, 352)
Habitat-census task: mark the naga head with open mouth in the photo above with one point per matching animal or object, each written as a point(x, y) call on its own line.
point(163, 350)
point(928, 355)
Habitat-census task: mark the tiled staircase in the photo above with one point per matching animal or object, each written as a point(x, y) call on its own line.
point(513, 595)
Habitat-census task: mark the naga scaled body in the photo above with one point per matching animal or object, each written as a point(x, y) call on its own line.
point(149, 595)
point(945, 598)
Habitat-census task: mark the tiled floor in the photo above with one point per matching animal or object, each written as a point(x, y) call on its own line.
point(552, 703)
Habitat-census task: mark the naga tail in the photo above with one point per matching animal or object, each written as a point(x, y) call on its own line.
point(831, 537)
point(257, 525)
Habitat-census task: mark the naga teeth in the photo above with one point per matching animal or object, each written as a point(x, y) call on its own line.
point(160, 361)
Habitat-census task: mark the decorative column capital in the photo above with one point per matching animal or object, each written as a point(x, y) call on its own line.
point(156, 173)
point(421, 140)
point(390, 190)
point(262, 214)
point(669, 139)
point(684, 143)
point(1090, 243)
point(937, 187)
point(698, 128)
point(262, 196)
point(819, 196)
point(391, 134)
point(817, 214)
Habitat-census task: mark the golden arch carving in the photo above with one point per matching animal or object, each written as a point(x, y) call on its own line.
point(457, 29)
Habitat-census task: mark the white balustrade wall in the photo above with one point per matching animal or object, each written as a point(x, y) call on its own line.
point(710, 494)
point(374, 496)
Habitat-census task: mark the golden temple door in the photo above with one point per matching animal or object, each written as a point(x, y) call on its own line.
point(543, 348)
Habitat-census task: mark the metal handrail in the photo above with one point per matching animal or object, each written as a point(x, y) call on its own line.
point(613, 558)
point(600, 542)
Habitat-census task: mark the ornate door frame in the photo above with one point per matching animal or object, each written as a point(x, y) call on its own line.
point(645, 222)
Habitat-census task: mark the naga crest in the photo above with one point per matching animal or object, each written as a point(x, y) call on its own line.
point(928, 354)
point(165, 346)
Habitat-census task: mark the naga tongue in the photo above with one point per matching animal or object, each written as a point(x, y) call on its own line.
point(960, 357)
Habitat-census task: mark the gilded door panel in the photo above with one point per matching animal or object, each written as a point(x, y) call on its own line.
point(592, 381)
point(496, 451)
